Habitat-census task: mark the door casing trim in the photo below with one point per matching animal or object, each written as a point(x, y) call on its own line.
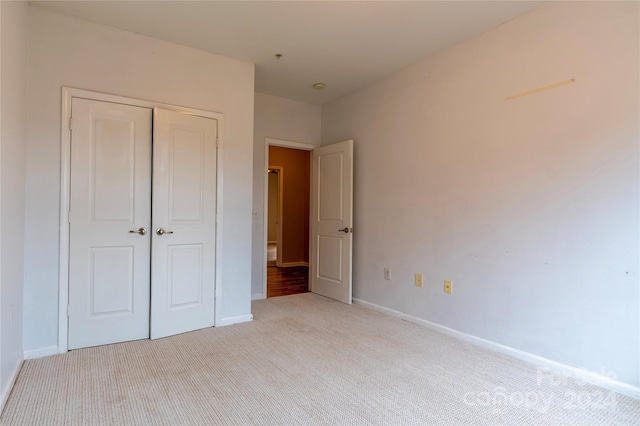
point(280, 170)
point(68, 93)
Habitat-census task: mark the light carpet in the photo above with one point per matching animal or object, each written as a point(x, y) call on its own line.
point(303, 360)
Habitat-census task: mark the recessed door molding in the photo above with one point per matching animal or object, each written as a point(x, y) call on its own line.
point(65, 160)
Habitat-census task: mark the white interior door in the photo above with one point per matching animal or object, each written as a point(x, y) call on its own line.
point(184, 223)
point(109, 220)
point(332, 221)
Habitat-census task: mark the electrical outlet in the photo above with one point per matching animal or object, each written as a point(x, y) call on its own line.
point(387, 274)
point(418, 280)
point(254, 214)
point(448, 286)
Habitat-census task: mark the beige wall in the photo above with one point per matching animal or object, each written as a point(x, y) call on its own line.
point(13, 152)
point(283, 119)
point(530, 206)
point(295, 165)
point(63, 51)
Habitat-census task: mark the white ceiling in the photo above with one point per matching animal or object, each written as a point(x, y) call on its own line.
point(346, 45)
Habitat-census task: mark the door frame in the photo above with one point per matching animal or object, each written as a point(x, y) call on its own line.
point(280, 174)
point(284, 144)
point(68, 93)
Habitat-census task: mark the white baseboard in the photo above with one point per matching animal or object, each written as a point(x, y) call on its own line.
point(257, 296)
point(9, 385)
point(235, 320)
point(40, 352)
point(290, 264)
point(564, 369)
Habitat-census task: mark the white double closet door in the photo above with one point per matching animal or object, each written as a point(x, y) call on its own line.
point(142, 223)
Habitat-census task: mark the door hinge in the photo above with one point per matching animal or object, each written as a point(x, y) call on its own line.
point(68, 311)
point(70, 123)
point(69, 216)
point(217, 142)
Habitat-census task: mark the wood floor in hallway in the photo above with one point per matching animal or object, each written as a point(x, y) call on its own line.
point(287, 281)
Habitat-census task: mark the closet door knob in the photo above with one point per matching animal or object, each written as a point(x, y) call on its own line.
point(161, 231)
point(141, 231)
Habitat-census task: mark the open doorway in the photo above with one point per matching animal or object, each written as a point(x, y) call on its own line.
point(287, 220)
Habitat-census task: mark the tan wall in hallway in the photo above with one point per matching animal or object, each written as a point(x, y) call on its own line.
point(295, 201)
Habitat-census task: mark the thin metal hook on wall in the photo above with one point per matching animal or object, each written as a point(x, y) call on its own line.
point(540, 89)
